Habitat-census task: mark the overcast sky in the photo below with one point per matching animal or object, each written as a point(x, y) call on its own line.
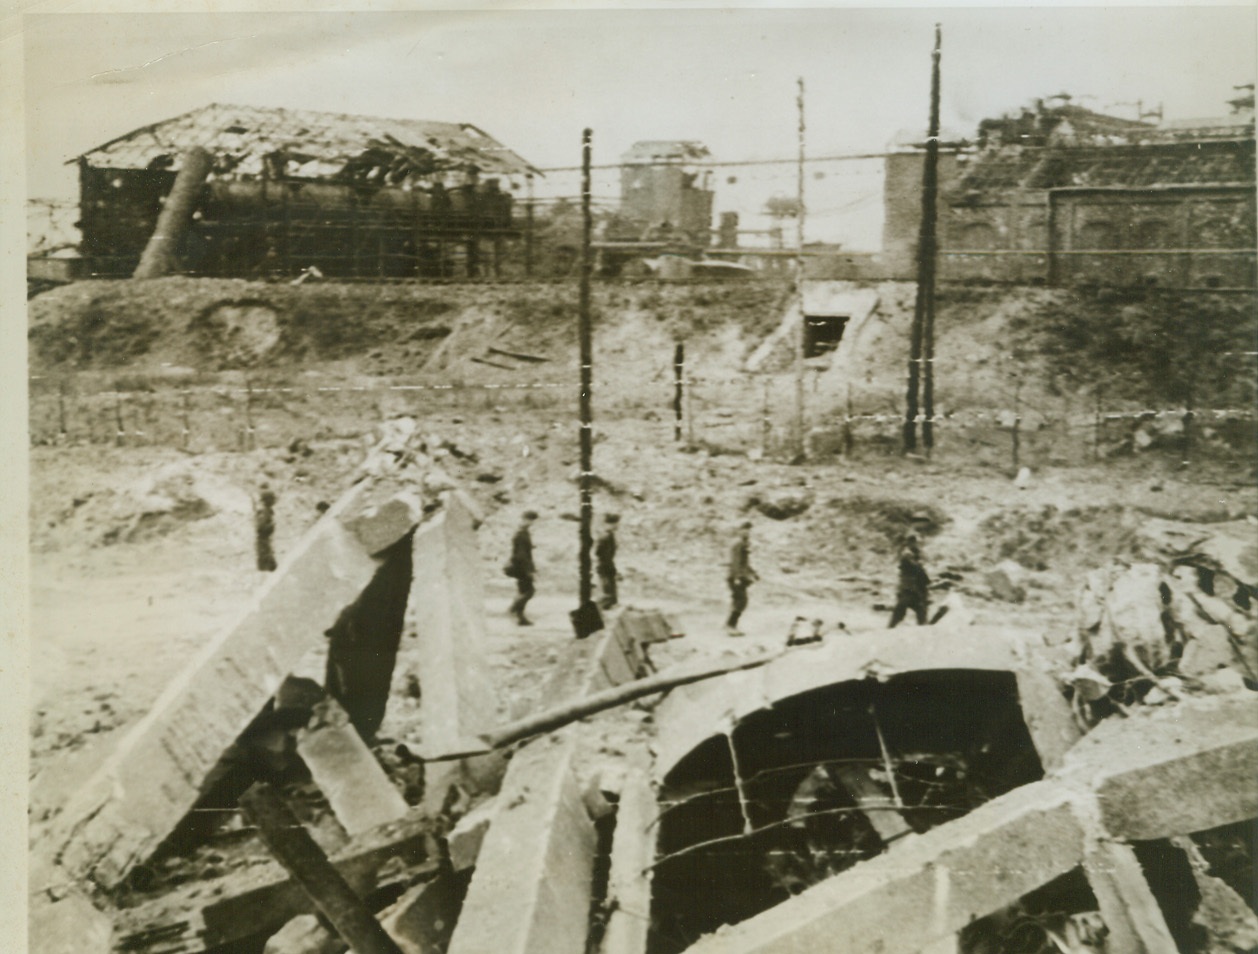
point(727, 77)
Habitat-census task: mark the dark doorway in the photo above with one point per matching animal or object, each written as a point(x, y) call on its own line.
point(823, 334)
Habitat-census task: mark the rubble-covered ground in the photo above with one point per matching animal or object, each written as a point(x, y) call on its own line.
point(141, 552)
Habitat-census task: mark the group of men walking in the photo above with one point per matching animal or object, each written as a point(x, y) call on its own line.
point(911, 590)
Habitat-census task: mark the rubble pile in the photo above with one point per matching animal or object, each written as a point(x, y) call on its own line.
point(1151, 632)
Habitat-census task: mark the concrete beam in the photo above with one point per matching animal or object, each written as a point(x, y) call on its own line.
point(361, 795)
point(1130, 912)
point(633, 851)
point(1171, 770)
point(1047, 716)
point(530, 893)
point(447, 607)
point(155, 775)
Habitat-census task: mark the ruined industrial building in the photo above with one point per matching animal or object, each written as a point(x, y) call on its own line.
point(282, 190)
point(348, 343)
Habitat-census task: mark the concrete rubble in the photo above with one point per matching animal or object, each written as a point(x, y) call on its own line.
point(1139, 734)
point(152, 780)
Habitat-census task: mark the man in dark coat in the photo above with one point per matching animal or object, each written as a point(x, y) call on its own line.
point(740, 577)
point(605, 557)
point(911, 593)
point(521, 567)
point(264, 528)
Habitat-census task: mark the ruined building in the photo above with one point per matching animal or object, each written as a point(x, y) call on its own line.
point(665, 193)
point(1062, 195)
point(287, 190)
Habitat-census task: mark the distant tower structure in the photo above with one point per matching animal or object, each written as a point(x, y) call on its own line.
point(665, 192)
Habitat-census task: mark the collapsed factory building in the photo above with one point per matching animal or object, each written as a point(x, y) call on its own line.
point(278, 191)
point(1058, 194)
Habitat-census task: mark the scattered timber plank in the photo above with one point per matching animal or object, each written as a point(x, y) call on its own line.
point(518, 355)
point(492, 364)
point(311, 869)
point(360, 793)
point(155, 775)
point(207, 915)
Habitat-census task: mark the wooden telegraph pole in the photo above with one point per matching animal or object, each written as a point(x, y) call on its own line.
point(800, 432)
point(586, 618)
point(922, 336)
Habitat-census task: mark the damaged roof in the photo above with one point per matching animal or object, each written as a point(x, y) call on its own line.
point(650, 151)
point(312, 144)
point(1131, 166)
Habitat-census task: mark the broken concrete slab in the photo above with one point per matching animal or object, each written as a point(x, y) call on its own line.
point(468, 834)
point(530, 893)
point(928, 888)
point(447, 607)
point(155, 775)
point(685, 718)
point(69, 925)
point(304, 934)
point(1125, 780)
point(630, 874)
point(361, 796)
point(423, 919)
point(377, 526)
point(1047, 716)
point(1172, 769)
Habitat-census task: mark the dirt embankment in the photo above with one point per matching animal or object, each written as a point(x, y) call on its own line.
point(210, 324)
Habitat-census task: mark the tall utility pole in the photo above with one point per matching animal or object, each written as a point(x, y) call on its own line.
point(930, 253)
point(800, 434)
point(582, 618)
point(924, 306)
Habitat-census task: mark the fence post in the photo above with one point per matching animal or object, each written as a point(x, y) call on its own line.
point(1017, 419)
point(848, 439)
point(249, 445)
point(121, 436)
point(679, 375)
point(1096, 431)
point(187, 424)
point(766, 424)
point(61, 408)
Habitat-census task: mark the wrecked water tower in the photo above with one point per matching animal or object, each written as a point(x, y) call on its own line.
point(288, 190)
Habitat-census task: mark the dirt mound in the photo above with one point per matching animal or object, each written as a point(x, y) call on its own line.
point(1048, 538)
point(175, 495)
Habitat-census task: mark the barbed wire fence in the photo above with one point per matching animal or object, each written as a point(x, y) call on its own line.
point(749, 415)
